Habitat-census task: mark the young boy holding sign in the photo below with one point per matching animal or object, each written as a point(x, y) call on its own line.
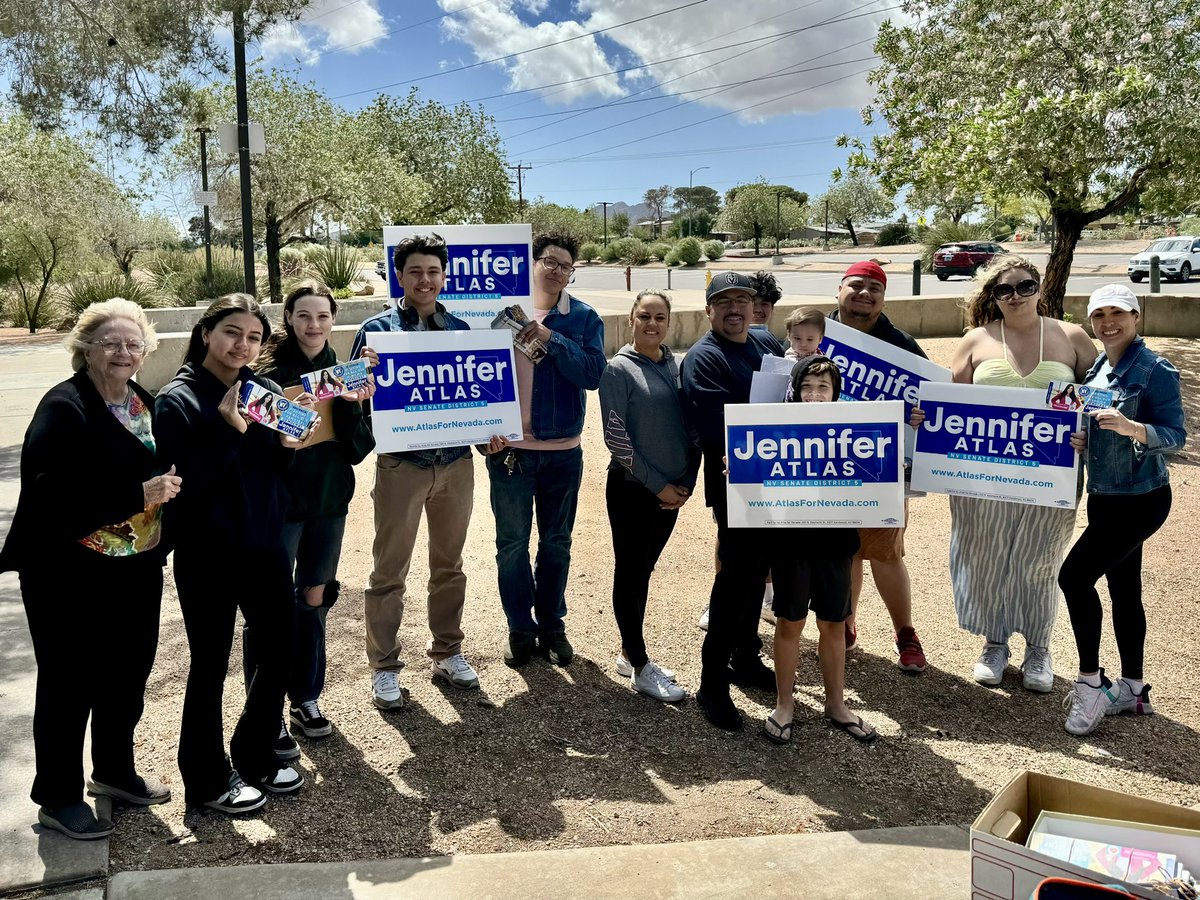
point(811, 570)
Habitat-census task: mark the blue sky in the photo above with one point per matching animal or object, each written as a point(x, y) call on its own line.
point(748, 90)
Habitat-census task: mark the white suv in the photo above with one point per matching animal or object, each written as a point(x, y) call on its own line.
point(1178, 258)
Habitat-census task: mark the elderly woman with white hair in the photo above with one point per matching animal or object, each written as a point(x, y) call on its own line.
point(86, 541)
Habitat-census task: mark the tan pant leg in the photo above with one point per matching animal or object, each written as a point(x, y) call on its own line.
point(400, 492)
point(449, 515)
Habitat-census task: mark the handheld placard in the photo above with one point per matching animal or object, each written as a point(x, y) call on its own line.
point(336, 379)
point(276, 411)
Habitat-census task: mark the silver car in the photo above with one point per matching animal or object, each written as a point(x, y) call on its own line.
point(1178, 258)
point(381, 269)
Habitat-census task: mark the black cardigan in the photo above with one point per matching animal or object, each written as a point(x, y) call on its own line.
point(233, 492)
point(81, 469)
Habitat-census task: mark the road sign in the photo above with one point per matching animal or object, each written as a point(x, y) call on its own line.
point(205, 198)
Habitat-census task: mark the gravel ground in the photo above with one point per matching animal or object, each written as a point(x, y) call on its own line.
point(547, 757)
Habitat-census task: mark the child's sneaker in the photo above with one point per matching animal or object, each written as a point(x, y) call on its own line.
point(1129, 702)
point(1087, 705)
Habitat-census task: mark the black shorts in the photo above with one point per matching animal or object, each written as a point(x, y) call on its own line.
point(822, 585)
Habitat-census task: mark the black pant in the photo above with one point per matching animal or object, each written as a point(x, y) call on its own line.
point(1111, 545)
point(640, 531)
point(736, 600)
point(213, 583)
point(113, 602)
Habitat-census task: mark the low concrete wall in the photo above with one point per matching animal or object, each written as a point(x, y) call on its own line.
point(184, 318)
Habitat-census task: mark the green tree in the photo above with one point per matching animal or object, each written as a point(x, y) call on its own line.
point(618, 225)
point(1089, 105)
point(699, 197)
point(855, 198)
point(550, 217)
point(750, 212)
point(124, 231)
point(656, 199)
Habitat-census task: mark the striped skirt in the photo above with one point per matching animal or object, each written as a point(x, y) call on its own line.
point(1004, 562)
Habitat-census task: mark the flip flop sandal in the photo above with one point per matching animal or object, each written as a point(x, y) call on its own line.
point(785, 731)
point(863, 737)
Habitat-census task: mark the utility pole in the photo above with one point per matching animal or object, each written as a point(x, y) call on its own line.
point(778, 201)
point(606, 204)
point(520, 169)
point(826, 223)
point(243, 137)
point(203, 132)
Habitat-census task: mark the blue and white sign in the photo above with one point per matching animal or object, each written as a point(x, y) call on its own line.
point(811, 465)
point(489, 268)
point(998, 443)
point(875, 370)
point(443, 389)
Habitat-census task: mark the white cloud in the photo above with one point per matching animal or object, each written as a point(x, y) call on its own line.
point(326, 25)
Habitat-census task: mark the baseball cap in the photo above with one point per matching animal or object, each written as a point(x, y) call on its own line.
point(728, 281)
point(867, 269)
point(1113, 295)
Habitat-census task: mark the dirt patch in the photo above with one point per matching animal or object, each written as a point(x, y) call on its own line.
point(570, 757)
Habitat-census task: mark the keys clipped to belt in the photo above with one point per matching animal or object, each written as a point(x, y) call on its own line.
point(510, 461)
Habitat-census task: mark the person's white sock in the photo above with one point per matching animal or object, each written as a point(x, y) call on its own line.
point(768, 594)
point(1092, 680)
point(1135, 685)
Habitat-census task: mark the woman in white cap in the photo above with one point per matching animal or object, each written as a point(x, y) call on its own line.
point(1129, 497)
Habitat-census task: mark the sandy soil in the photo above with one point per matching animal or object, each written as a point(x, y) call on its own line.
point(550, 757)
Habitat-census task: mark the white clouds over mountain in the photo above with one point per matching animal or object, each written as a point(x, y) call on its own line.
point(326, 25)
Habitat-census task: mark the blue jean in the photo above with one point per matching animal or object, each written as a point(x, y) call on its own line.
point(313, 547)
point(545, 482)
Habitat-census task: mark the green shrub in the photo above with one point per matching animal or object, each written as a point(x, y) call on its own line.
point(96, 288)
point(672, 258)
point(660, 249)
point(312, 252)
point(948, 232)
point(630, 250)
point(893, 234)
point(336, 266)
point(181, 277)
point(589, 251)
point(292, 262)
point(609, 253)
point(342, 293)
point(1189, 225)
point(689, 251)
point(714, 250)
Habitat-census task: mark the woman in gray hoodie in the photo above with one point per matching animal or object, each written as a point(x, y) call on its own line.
point(652, 474)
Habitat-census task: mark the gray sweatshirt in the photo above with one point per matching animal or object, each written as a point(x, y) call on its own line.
point(643, 421)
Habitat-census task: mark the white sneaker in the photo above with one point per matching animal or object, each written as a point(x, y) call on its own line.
point(286, 781)
point(1037, 670)
point(703, 623)
point(1129, 702)
point(989, 669)
point(1087, 705)
point(625, 670)
point(652, 682)
point(240, 798)
point(385, 690)
point(456, 670)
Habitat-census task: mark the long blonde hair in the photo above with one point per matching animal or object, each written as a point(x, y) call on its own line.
point(980, 303)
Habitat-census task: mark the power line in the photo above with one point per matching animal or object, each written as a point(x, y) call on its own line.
point(327, 12)
point(702, 151)
point(508, 56)
point(401, 28)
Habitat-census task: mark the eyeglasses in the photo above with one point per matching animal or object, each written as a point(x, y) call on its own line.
point(550, 264)
point(1026, 288)
point(111, 346)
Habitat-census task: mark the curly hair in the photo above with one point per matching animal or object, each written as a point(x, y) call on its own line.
point(425, 244)
point(766, 287)
point(554, 239)
point(980, 302)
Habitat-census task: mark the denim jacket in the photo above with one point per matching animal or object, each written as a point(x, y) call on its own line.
point(391, 320)
point(1149, 394)
point(574, 365)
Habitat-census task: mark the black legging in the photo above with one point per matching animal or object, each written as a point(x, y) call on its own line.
point(1111, 545)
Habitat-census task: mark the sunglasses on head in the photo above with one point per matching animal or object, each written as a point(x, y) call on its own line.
point(1026, 288)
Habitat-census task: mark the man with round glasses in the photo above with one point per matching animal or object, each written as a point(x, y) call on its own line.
point(542, 472)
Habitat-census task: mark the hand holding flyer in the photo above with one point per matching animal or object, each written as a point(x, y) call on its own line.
point(1067, 396)
point(514, 317)
point(277, 412)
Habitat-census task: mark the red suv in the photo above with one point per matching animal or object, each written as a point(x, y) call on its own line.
point(963, 257)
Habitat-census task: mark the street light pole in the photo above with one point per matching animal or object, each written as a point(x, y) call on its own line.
point(606, 204)
point(689, 203)
point(243, 137)
point(203, 132)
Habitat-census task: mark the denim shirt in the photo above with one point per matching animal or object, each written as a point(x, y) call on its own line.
point(575, 361)
point(391, 320)
point(1149, 394)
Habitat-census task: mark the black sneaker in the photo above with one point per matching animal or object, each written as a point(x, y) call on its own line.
point(307, 717)
point(718, 708)
point(520, 649)
point(285, 781)
point(753, 673)
point(142, 792)
point(76, 821)
point(286, 747)
point(240, 798)
point(557, 647)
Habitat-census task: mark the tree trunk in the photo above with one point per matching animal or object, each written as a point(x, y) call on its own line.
point(1068, 226)
point(758, 230)
point(274, 278)
point(853, 236)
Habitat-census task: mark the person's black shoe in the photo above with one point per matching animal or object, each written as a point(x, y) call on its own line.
point(520, 649)
point(308, 718)
point(718, 708)
point(752, 673)
point(75, 821)
point(286, 748)
point(557, 647)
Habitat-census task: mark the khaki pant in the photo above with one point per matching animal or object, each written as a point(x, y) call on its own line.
point(402, 490)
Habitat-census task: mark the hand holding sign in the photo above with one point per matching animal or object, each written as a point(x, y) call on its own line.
point(1115, 420)
point(230, 407)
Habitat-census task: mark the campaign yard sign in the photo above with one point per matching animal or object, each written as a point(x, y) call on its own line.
point(812, 465)
point(875, 370)
point(443, 389)
point(489, 268)
point(998, 443)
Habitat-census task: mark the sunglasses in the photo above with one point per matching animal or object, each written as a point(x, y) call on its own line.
point(1026, 288)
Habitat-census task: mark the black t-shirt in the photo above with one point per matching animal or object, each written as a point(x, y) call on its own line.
point(889, 333)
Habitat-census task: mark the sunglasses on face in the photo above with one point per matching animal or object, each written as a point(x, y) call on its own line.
point(1026, 288)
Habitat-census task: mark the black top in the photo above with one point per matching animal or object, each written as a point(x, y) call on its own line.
point(81, 470)
point(889, 333)
point(233, 491)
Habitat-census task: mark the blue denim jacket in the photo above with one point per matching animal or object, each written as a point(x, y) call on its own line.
point(391, 320)
point(1149, 394)
point(574, 365)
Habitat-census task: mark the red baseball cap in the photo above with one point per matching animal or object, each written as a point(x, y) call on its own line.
point(867, 269)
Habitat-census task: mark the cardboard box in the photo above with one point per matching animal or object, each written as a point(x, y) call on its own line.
point(1002, 868)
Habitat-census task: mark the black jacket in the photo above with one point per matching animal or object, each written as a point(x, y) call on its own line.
point(81, 470)
point(233, 491)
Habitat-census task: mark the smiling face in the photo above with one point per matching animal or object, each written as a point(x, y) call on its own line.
point(860, 301)
point(1115, 328)
point(233, 343)
point(729, 314)
point(817, 388)
point(1012, 294)
point(422, 279)
point(549, 285)
point(761, 312)
point(108, 355)
point(649, 323)
point(311, 320)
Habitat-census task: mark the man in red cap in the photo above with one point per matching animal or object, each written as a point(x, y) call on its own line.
point(860, 306)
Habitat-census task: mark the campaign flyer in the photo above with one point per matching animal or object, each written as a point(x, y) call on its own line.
point(1067, 396)
point(276, 411)
point(337, 379)
point(514, 318)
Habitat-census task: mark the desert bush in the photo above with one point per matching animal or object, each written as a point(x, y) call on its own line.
point(181, 276)
point(630, 250)
point(892, 234)
point(98, 287)
point(714, 250)
point(336, 266)
point(672, 258)
point(609, 253)
point(689, 251)
point(292, 262)
point(660, 249)
point(589, 251)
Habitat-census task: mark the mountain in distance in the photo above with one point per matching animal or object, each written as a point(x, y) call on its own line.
point(637, 213)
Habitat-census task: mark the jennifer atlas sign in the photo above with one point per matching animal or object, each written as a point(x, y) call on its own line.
point(443, 389)
point(808, 465)
point(488, 270)
point(997, 443)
